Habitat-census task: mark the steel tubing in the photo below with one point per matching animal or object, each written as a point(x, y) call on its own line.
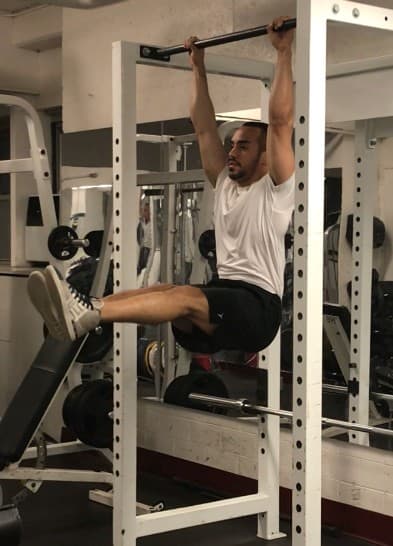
point(224, 38)
point(246, 407)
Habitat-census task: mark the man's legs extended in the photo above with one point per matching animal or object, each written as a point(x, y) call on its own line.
point(157, 306)
point(76, 314)
point(138, 291)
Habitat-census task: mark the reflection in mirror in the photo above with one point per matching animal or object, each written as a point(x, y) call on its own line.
point(175, 238)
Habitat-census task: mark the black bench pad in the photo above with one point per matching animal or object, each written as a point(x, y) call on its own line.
point(35, 393)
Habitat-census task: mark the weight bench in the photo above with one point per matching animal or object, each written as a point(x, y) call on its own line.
point(33, 397)
point(337, 326)
point(25, 413)
point(47, 373)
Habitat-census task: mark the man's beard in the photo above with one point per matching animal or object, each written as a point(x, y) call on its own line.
point(237, 175)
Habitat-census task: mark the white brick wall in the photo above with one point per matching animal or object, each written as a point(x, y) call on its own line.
point(355, 475)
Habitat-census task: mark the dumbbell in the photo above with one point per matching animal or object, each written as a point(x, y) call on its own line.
point(63, 243)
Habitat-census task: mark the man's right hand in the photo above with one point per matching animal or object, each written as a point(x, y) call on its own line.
point(197, 54)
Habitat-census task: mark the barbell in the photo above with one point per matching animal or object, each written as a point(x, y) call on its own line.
point(244, 406)
point(63, 243)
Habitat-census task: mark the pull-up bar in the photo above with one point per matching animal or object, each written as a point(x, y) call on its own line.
point(164, 54)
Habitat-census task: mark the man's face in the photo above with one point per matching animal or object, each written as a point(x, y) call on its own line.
point(246, 159)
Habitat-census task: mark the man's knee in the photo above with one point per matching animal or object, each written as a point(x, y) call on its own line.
point(192, 299)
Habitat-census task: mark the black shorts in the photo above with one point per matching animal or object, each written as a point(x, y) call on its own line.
point(247, 316)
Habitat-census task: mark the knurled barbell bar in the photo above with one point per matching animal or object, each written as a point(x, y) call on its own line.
point(245, 407)
point(63, 243)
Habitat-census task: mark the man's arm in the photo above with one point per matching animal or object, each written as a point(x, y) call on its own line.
point(212, 152)
point(280, 154)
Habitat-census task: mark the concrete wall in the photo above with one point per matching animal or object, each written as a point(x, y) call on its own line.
point(65, 55)
point(30, 60)
point(87, 37)
point(19, 339)
point(161, 95)
point(351, 474)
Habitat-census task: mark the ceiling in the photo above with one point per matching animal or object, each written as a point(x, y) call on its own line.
point(13, 7)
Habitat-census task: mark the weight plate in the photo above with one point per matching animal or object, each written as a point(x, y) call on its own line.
point(95, 242)
point(93, 426)
point(69, 405)
point(59, 242)
point(97, 345)
point(201, 382)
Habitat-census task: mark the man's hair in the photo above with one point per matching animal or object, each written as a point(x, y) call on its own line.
point(263, 130)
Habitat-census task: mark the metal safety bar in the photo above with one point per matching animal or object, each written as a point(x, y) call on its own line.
point(245, 407)
point(341, 389)
point(166, 52)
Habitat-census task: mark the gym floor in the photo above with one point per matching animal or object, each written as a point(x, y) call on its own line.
point(62, 515)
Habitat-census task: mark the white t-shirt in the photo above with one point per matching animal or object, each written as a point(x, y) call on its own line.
point(250, 225)
point(146, 230)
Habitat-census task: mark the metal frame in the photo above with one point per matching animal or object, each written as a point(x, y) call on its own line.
point(246, 407)
point(38, 475)
point(308, 271)
point(362, 256)
point(167, 266)
point(127, 526)
point(166, 52)
point(37, 164)
point(312, 18)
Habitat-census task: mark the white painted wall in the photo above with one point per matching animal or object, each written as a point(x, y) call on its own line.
point(354, 475)
point(87, 36)
point(87, 54)
point(30, 60)
point(38, 30)
point(19, 339)
point(50, 79)
point(162, 94)
point(19, 69)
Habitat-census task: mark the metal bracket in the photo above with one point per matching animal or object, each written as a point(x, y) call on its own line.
point(150, 52)
point(353, 387)
point(372, 143)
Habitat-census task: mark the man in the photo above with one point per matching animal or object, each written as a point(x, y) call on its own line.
point(254, 187)
point(144, 237)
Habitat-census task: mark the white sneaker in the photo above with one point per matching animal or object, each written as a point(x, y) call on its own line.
point(78, 314)
point(39, 296)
